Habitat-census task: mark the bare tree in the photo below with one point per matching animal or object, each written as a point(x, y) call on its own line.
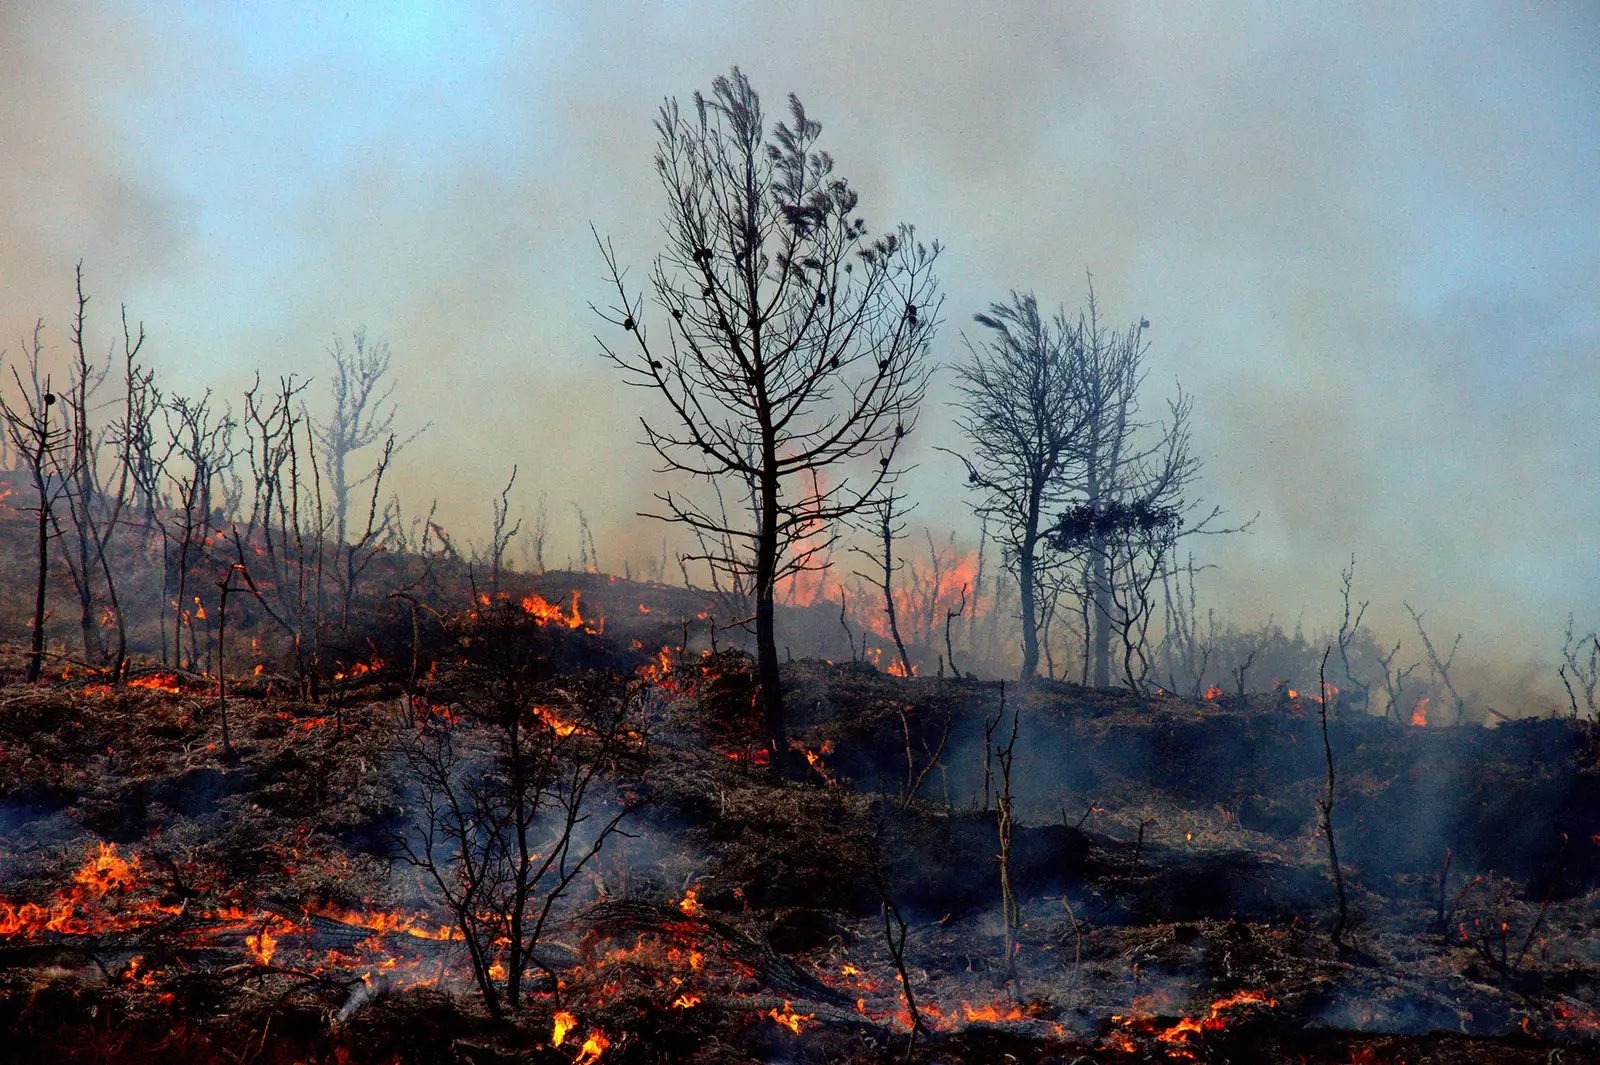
point(200, 446)
point(281, 546)
point(794, 342)
point(500, 536)
point(363, 413)
point(37, 441)
point(1131, 480)
point(1580, 668)
point(96, 492)
point(1023, 411)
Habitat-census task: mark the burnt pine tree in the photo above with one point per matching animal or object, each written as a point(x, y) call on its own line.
point(791, 358)
point(1023, 411)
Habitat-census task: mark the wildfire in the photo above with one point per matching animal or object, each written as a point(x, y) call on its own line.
point(546, 613)
point(991, 1013)
point(814, 759)
point(1213, 693)
point(161, 682)
point(689, 904)
point(73, 912)
point(261, 946)
point(592, 1048)
point(1179, 1034)
point(564, 1023)
point(392, 922)
point(791, 1020)
point(557, 725)
point(360, 669)
point(1419, 713)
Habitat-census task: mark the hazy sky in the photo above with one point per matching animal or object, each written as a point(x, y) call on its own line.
point(1368, 242)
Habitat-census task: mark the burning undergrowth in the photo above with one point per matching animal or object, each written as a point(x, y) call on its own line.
point(544, 830)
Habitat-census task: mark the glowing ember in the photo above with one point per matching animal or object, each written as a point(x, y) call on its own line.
point(686, 1001)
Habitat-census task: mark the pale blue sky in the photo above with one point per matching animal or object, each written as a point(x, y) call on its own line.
point(1368, 236)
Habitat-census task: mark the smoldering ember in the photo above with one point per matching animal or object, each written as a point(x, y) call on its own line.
point(297, 767)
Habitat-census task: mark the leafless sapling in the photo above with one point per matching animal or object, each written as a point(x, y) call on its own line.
point(887, 530)
point(500, 536)
point(794, 342)
point(358, 553)
point(949, 617)
point(1005, 823)
point(1325, 806)
point(506, 805)
point(1580, 669)
point(1349, 628)
point(1440, 667)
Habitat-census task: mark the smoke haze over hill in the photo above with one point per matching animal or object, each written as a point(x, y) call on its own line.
point(1367, 242)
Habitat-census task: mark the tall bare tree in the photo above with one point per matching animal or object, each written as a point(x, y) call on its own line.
point(794, 342)
point(1131, 481)
point(1023, 410)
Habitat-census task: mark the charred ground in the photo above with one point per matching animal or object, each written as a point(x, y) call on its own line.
point(168, 901)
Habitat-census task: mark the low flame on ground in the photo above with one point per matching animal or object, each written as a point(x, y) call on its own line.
point(547, 613)
point(1419, 713)
point(814, 759)
point(161, 682)
point(791, 1020)
point(592, 1048)
point(1179, 1034)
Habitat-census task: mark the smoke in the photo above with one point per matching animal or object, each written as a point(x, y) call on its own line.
point(1364, 238)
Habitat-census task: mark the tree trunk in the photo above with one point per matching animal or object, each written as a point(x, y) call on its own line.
point(1030, 609)
point(1101, 618)
point(36, 648)
point(766, 636)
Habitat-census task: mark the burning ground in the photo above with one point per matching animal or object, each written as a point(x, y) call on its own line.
point(169, 896)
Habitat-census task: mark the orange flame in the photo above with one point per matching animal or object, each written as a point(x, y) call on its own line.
point(564, 1023)
point(592, 1048)
point(1419, 713)
point(161, 682)
point(791, 1020)
point(1213, 693)
point(546, 613)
